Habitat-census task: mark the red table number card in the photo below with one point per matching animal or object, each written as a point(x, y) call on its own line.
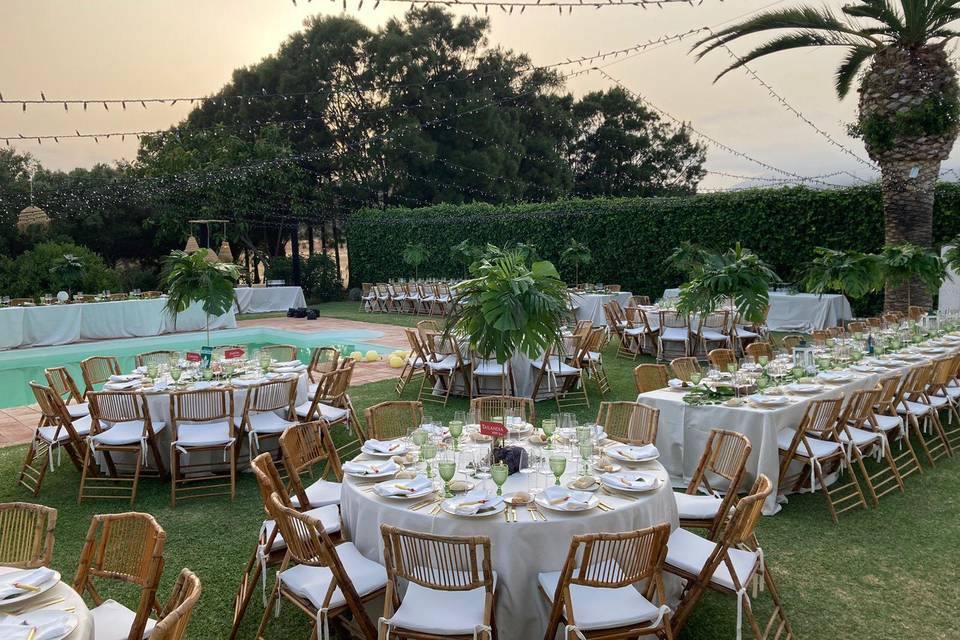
point(494, 429)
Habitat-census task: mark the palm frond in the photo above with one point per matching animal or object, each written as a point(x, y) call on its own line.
point(879, 10)
point(849, 68)
point(792, 41)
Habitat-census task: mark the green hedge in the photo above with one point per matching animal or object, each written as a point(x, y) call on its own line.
point(631, 237)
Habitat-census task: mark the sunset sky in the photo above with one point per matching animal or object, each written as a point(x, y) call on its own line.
point(167, 48)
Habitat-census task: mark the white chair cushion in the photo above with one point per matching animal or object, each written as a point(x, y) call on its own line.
point(449, 363)
point(938, 402)
point(112, 621)
point(915, 408)
point(313, 583)
point(489, 368)
point(597, 608)
point(329, 517)
point(266, 422)
point(951, 392)
point(439, 612)
point(861, 437)
point(81, 426)
point(821, 448)
point(743, 332)
point(635, 331)
point(122, 433)
point(697, 506)
point(328, 413)
point(713, 335)
point(888, 423)
point(674, 334)
point(203, 434)
point(320, 494)
point(82, 409)
point(689, 552)
point(557, 367)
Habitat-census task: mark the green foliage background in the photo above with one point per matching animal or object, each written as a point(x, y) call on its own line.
point(631, 238)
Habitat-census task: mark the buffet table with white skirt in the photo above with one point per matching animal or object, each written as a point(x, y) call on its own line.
point(589, 306)
point(800, 311)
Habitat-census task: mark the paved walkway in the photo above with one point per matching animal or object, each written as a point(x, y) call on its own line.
point(17, 423)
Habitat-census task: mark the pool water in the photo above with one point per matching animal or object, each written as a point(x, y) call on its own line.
point(18, 367)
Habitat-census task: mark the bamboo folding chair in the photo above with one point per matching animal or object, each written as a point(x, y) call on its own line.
point(674, 328)
point(684, 367)
point(816, 444)
point(591, 358)
point(743, 334)
point(126, 548)
point(280, 352)
point(22, 302)
point(616, 326)
point(633, 334)
point(819, 337)
point(943, 396)
point(758, 349)
point(449, 586)
point(791, 341)
point(398, 297)
point(201, 421)
point(26, 534)
point(304, 447)
point(446, 303)
point(384, 303)
point(63, 383)
point(97, 370)
point(714, 329)
point(724, 460)
point(564, 380)
point(268, 409)
point(894, 427)
point(650, 377)
point(330, 400)
point(393, 419)
point(722, 359)
point(486, 369)
point(428, 298)
point(414, 364)
point(728, 567)
point(151, 295)
point(858, 431)
point(876, 323)
point(322, 360)
point(640, 301)
point(118, 297)
point(441, 368)
point(856, 327)
point(915, 407)
point(271, 547)
point(176, 612)
point(55, 430)
point(154, 357)
point(915, 313)
point(598, 599)
point(629, 422)
point(368, 297)
point(325, 580)
point(120, 423)
point(489, 407)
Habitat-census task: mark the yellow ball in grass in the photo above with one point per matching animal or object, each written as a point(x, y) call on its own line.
point(372, 356)
point(357, 356)
point(396, 362)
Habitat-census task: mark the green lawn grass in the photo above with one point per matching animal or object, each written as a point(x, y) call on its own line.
point(881, 574)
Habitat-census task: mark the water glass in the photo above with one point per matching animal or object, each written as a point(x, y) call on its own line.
point(549, 426)
point(499, 472)
point(558, 464)
point(456, 430)
point(175, 374)
point(207, 373)
point(427, 452)
point(447, 469)
point(528, 465)
point(586, 453)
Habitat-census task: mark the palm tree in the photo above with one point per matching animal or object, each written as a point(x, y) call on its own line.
point(415, 254)
point(576, 253)
point(909, 109)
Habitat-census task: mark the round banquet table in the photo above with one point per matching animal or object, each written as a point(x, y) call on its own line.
point(520, 550)
point(71, 598)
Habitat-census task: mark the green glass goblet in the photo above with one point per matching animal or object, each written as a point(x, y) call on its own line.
point(558, 464)
point(427, 452)
point(456, 430)
point(549, 426)
point(586, 452)
point(499, 473)
point(447, 469)
point(418, 437)
point(175, 373)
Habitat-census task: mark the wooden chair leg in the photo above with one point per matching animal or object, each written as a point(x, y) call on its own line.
point(174, 475)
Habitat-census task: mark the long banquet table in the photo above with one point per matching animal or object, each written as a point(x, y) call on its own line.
point(265, 299)
point(590, 305)
point(800, 311)
point(684, 428)
point(56, 324)
point(520, 550)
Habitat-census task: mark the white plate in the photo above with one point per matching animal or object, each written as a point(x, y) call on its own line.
point(11, 577)
point(614, 468)
point(447, 508)
point(371, 476)
point(404, 496)
point(46, 616)
point(595, 487)
point(542, 501)
point(835, 378)
point(614, 452)
point(607, 481)
point(401, 450)
point(769, 401)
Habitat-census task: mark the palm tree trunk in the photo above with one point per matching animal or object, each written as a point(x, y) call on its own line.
point(908, 213)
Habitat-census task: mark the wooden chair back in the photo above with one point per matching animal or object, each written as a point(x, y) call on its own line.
point(876, 323)
point(63, 384)
point(915, 313)
point(717, 320)
point(416, 346)
point(820, 419)
point(859, 411)
point(629, 422)
point(856, 327)
point(487, 407)
point(725, 456)
point(721, 359)
point(674, 320)
point(200, 405)
point(915, 382)
point(304, 446)
point(128, 548)
point(443, 563)
point(175, 615)
point(269, 481)
point(26, 534)
point(650, 377)
point(791, 341)
point(684, 367)
point(154, 357)
point(640, 301)
point(274, 395)
point(150, 295)
point(97, 370)
point(428, 331)
point(887, 399)
point(53, 413)
point(393, 419)
point(819, 336)
point(21, 302)
point(740, 532)
point(280, 352)
point(758, 349)
point(323, 360)
point(110, 407)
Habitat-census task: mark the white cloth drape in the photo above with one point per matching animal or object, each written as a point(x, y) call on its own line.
point(800, 311)
point(265, 299)
point(591, 305)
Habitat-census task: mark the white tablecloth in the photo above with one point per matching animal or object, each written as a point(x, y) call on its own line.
point(949, 298)
point(264, 299)
point(683, 431)
point(800, 311)
point(520, 550)
point(71, 598)
point(62, 324)
point(591, 305)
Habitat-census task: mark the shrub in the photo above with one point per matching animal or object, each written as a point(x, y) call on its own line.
point(318, 275)
point(135, 276)
point(30, 274)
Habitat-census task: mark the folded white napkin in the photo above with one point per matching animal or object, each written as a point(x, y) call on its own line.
point(202, 384)
point(403, 487)
point(436, 430)
point(369, 468)
point(563, 498)
point(122, 386)
point(628, 480)
point(472, 503)
point(33, 577)
point(288, 363)
point(126, 377)
point(49, 627)
point(161, 384)
point(631, 452)
point(140, 370)
point(390, 446)
point(291, 368)
point(675, 383)
point(246, 382)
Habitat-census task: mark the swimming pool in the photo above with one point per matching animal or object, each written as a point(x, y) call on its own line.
point(18, 367)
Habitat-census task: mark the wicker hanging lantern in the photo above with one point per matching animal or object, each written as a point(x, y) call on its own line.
point(225, 254)
point(191, 245)
point(32, 217)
